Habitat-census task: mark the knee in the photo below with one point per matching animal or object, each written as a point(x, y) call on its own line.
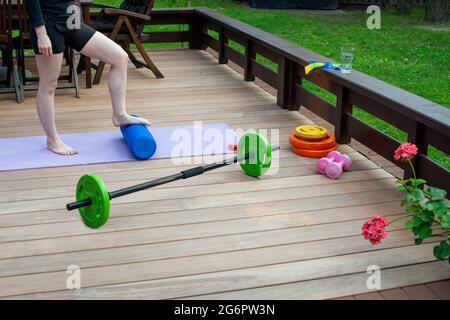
point(48, 86)
point(121, 59)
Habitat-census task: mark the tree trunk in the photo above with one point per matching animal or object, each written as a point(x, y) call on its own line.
point(437, 10)
point(404, 6)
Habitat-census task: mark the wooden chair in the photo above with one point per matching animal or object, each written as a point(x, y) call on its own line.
point(124, 25)
point(22, 42)
point(12, 82)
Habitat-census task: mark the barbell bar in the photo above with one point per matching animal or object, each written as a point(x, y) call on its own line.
point(254, 155)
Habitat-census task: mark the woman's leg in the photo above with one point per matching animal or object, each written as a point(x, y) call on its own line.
point(102, 48)
point(49, 69)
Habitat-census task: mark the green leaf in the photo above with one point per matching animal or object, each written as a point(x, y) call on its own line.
point(413, 209)
point(442, 250)
point(437, 251)
point(426, 216)
point(401, 181)
point(445, 248)
point(437, 205)
point(407, 199)
point(417, 182)
point(418, 241)
point(417, 221)
point(425, 231)
point(444, 219)
point(401, 188)
point(436, 192)
point(417, 195)
point(409, 224)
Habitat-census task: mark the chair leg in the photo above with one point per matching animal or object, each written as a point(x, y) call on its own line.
point(9, 70)
point(126, 47)
point(20, 57)
point(21, 64)
point(81, 63)
point(149, 62)
point(68, 55)
point(9, 64)
point(4, 53)
point(142, 51)
point(20, 96)
point(12, 75)
point(74, 74)
point(99, 72)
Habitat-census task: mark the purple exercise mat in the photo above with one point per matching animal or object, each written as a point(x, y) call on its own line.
point(102, 147)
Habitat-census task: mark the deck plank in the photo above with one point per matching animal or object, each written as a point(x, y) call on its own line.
point(295, 234)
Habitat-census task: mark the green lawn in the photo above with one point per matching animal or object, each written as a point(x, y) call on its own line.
point(407, 52)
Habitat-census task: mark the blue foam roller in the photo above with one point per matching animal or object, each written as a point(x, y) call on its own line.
point(139, 140)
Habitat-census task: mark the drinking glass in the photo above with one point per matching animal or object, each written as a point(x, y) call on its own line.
point(347, 59)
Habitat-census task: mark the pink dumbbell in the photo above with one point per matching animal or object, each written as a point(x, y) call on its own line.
point(334, 164)
point(323, 163)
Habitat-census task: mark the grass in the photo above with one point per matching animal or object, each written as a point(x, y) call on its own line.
point(407, 51)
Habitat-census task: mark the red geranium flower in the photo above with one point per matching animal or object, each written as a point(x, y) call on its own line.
point(406, 151)
point(374, 229)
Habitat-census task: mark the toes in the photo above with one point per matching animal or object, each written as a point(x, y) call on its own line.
point(71, 152)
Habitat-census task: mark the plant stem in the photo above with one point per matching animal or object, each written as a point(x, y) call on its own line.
point(413, 172)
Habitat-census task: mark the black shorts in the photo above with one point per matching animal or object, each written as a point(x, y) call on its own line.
point(75, 39)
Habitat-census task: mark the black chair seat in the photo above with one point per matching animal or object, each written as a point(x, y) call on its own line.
point(106, 25)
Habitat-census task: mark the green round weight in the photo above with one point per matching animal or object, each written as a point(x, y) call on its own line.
point(91, 186)
point(259, 151)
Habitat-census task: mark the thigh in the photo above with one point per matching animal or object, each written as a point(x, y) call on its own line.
point(79, 38)
point(103, 48)
point(49, 68)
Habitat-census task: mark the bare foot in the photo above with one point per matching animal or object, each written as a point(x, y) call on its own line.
point(126, 119)
point(61, 148)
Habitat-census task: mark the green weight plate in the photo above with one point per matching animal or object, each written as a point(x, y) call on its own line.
point(255, 144)
point(91, 186)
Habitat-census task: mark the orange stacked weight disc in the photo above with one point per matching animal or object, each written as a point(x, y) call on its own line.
point(314, 153)
point(324, 144)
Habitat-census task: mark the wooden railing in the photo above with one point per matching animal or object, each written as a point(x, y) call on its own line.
point(425, 122)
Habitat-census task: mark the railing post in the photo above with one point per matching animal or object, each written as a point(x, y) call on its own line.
point(343, 106)
point(196, 28)
point(250, 55)
point(415, 136)
point(286, 83)
point(298, 80)
point(223, 41)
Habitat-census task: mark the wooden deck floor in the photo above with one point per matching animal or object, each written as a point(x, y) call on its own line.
point(295, 235)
